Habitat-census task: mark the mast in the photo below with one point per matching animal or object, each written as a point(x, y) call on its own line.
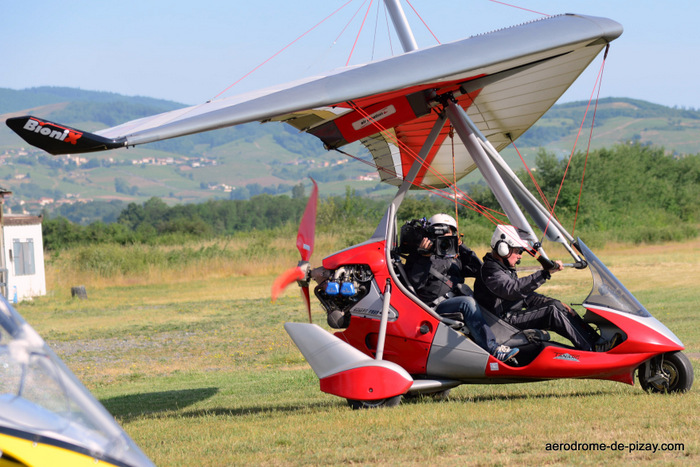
point(408, 42)
point(403, 29)
point(470, 138)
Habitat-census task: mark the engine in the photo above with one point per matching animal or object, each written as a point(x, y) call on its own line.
point(346, 286)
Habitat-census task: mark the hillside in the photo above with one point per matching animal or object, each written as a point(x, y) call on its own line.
point(617, 120)
point(250, 159)
point(235, 163)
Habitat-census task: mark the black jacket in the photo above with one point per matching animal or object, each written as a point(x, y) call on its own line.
point(434, 276)
point(499, 290)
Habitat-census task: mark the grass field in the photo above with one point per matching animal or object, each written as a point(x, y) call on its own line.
point(197, 368)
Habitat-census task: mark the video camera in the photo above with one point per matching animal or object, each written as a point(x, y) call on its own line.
point(413, 232)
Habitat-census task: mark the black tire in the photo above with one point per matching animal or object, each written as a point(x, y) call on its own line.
point(375, 404)
point(679, 371)
point(440, 395)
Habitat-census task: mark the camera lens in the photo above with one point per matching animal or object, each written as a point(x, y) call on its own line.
point(446, 246)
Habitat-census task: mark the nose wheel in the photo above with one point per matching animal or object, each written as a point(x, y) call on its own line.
point(670, 372)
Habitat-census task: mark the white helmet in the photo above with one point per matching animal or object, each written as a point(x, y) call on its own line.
point(506, 237)
point(443, 219)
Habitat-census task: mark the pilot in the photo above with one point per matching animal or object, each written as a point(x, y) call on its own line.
point(514, 299)
point(438, 279)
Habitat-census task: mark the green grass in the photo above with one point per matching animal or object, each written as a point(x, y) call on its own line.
point(279, 417)
point(201, 372)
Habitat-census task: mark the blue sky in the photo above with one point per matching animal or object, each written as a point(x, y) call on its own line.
point(189, 51)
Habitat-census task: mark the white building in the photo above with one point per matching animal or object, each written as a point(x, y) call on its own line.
point(22, 261)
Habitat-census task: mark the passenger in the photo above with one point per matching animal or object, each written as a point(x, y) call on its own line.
point(514, 299)
point(437, 275)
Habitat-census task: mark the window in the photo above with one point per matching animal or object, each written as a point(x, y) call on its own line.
point(23, 257)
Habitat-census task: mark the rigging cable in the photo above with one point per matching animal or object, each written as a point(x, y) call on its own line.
point(459, 194)
point(442, 193)
point(282, 50)
point(360, 30)
point(387, 133)
point(519, 7)
point(532, 176)
point(573, 150)
point(473, 205)
point(590, 137)
point(376, 26)
point(424, 23)
point(342, 31)
point(388, 30)
point(483, 210)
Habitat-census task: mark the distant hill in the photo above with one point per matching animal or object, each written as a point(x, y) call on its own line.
point(236, 162)
point(250, 159)
point(617, 120)
point(12, 100)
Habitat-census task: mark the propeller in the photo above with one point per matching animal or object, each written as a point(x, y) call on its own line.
point(305, 244)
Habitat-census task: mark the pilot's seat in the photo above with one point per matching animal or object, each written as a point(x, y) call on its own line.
point(529, 341)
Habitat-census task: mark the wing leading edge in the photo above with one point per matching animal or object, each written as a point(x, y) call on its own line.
point(506, 80)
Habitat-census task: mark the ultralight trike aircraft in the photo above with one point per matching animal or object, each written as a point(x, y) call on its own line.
point(490, 89)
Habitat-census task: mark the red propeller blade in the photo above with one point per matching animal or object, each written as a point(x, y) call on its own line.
point(307, 227)
point(305, 245)
point(305, 291)
point(287, 277)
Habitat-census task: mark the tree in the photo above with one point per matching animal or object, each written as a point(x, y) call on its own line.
point(121, 186)
point(298, 191)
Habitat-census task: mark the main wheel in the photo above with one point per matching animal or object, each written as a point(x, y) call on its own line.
point(388, 402)
point(675, 374)
point(440, 395)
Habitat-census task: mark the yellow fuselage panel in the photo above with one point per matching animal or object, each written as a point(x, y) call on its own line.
point(37, 454)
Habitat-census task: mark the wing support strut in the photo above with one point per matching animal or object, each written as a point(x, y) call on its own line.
point(542, 217)
point(387, 226)
point(462, 123)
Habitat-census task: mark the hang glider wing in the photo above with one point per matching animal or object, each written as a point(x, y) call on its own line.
point(506, 80)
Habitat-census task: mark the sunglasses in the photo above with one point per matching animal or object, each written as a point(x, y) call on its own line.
point(518, 250)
